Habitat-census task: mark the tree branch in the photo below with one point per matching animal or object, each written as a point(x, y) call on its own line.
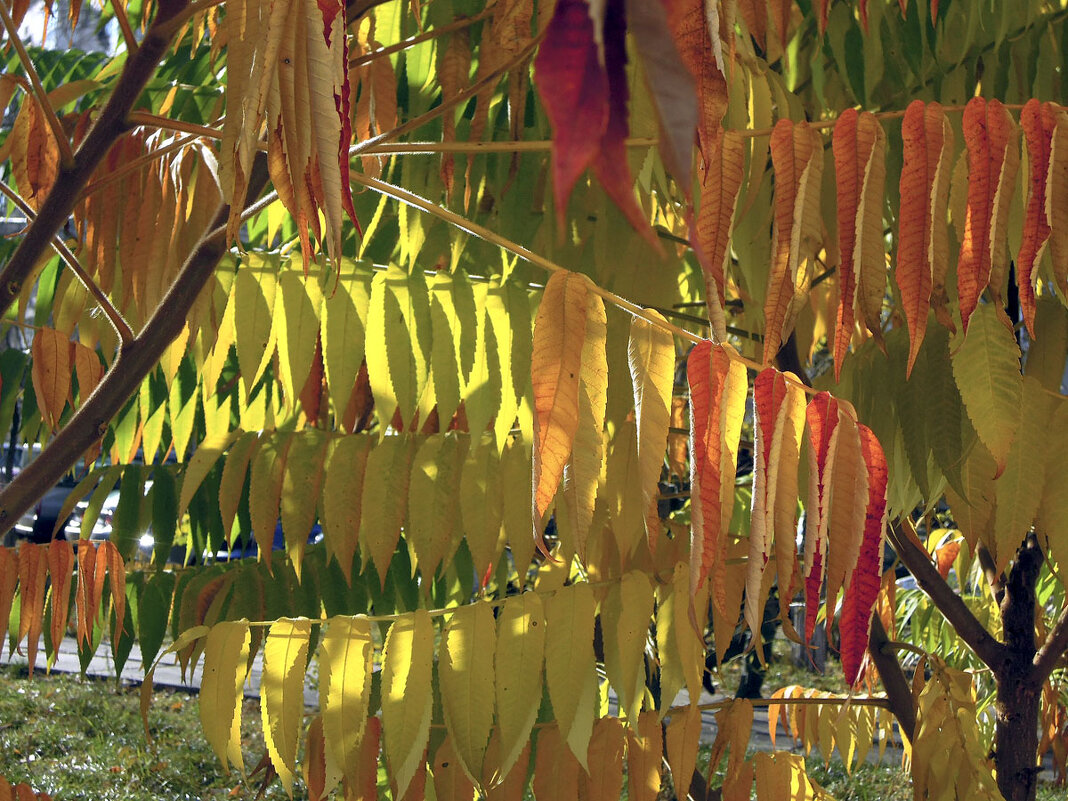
point(66, 155)
point(112, 122)
point(1052, 650)
point(898, 691)
point(950, 604)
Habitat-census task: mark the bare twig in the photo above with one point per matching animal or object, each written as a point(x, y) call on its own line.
point(66, 155)
point(1049, 655)
point(122, 328)
point(898, 692)
point(119, 9)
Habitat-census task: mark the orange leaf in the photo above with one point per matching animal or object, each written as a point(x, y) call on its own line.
point(88, 368)
point(117, 574)
point(1057, 200)
point(90, 586)
point(860, 171)
point(779, 404)
point(604, 781)
point(9, 576)
point(453, 72)
point(718, 386)
point(556, 770)
point(51, 373)
point(60, 573)
point(556, 366)
point(361, 780)
point(33, 567)
point(797, 157)
point(645, 749)
point(715, 217)
point(822, 417)
point(945, 555)
point(923, 245)
point(993, 158)
point(34, 153)
point(1038, 122)
point(682, 738)
point(867, 575)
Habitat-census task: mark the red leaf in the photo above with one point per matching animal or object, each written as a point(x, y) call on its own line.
point(573, 87)
point(610, 160)
point(822, 418)
point(864, 584)
point(1038, 122)
point(33, 567)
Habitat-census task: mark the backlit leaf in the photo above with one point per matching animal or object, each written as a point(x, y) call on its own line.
point(993, 160)
point(923, 246)
point(718, 387)
point(465, 673)
point(407, 661)
point(51, 352)
point(345, 658)
point(651, 354)
point(282, 693)
point(225, 666)
point(518, 673)
point(569, 665)
point(435, 499)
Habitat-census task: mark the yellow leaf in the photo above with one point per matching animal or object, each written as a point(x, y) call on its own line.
point(265, 489)
point(604, 781)
point(465, 674)
point(253, 294)
point(508, 314)
point(516, 482)
point(51, 372)
point(344, 689)
point(481, 503)
point(625, 616)
point(556, 365)
point(386, 475)
point(583, 468)
point(346, 461)
point(282, 693)
point(645, 753)
point(200, 464)
point(225, 668)
point(434, 499)
point(518, 673)
point(570, 670)
point(407, 664)
point(651, 353)
point(344, 314)
point(302, 482)
point(296, 329)
point(682, 738)
point(232, 483)
point(781, 776)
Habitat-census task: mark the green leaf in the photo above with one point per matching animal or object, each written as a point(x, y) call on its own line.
point(986, 366)
point(346, 461)
point(481, 503)
point(386, 476)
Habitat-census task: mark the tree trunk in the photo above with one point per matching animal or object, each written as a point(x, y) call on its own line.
point(1017, 706)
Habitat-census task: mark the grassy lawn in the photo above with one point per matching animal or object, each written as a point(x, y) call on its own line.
point(83, 739)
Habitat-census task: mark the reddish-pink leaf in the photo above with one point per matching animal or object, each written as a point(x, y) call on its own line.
point(610, 159)
point(60, 574)
point(573, 87)
point(1038, 122)
point(9, 577)
point(864, 584)
point(33, 569)
point(822, 418)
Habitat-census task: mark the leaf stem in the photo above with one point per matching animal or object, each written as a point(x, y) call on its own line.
point(122, 328)
point(66, 154)
point(136, 163)
point(124, 24)
point(412, 41)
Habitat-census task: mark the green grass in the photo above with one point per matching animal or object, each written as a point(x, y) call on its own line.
point(83, 739)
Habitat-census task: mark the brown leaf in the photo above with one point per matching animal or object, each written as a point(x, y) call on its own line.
point(33, 567)
point(60, 574)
